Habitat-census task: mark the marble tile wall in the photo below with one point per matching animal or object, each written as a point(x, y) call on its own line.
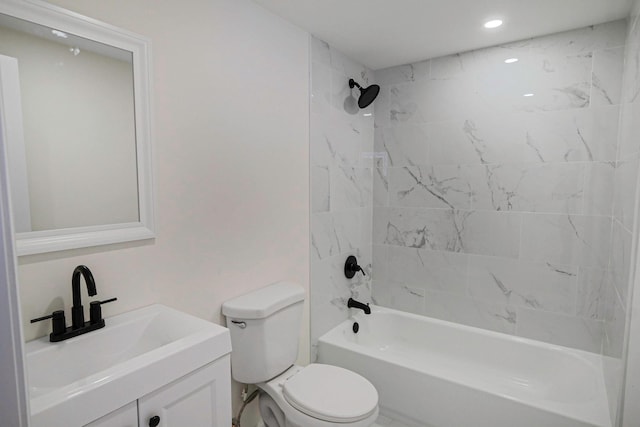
point(495, 197)
point(341, 188)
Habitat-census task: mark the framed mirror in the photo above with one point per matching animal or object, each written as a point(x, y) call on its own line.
point(75, 96)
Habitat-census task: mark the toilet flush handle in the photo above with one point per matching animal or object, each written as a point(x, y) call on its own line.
point(241, 325)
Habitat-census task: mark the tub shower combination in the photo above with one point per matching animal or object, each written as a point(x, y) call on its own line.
point(436, 123)
point(441, 374)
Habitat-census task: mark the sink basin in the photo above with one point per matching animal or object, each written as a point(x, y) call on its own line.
point(80, 379)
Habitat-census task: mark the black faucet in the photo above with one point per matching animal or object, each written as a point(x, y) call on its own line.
point(77, 311)
point(357, 304)
point(78, 325)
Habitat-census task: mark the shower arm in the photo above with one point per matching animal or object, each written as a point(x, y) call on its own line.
point(353, 83)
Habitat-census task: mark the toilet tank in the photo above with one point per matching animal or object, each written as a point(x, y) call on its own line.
point(265, 328)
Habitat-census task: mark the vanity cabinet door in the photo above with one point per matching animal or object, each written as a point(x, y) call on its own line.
point(127, 416)
point(200, 399)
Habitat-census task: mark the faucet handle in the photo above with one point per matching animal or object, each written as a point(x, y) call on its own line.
point(95, 310)
point(58, 322)
point(351, 267)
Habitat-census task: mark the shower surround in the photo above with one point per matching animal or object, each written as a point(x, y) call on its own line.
point(495, 205)
point(503, 194)
point(341, 188)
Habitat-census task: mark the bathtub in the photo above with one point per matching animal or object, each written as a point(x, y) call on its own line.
point(434, 373)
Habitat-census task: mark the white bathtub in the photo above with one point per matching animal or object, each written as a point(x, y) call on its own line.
point(435, 373)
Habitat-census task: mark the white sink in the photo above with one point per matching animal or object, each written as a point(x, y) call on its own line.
point(88, 376)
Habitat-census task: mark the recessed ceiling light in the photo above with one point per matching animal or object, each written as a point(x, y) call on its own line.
point(511, 60)
point(493, 24)
point(528, 95)
point(59, 34)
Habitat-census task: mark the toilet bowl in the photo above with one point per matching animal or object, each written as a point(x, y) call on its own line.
point(264, 326)
point(318, 396)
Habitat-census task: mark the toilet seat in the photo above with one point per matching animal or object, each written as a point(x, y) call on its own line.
point(331, 393)
point(273, 391)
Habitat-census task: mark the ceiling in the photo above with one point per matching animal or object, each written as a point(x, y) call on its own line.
point(384, 33)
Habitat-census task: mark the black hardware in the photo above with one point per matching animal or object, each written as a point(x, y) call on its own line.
point(58, 322)
point(154, 421)
point(95, 312)
point(356, 327)
point(351, 267)
point(70, 332)
point(77, 311)
point(357, 304)
point(367, 95)
point(60, 331)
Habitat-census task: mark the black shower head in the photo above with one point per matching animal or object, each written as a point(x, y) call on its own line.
point(367, 95)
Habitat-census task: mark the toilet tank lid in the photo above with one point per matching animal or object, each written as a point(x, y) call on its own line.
point(263, 302)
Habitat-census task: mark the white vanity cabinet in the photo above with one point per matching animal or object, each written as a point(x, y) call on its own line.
point(200, 399)
point(157, 360)
point(127, 416)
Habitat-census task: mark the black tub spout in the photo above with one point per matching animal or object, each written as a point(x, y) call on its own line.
point(357, 304)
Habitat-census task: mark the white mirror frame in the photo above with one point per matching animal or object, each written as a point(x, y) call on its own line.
point(42, 13)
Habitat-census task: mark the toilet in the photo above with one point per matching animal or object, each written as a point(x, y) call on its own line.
point(264, 326)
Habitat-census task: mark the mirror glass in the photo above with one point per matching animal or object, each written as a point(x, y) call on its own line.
point(75, 119)
point(79, 145)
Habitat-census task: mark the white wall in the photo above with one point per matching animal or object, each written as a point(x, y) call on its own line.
point(231, 164)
